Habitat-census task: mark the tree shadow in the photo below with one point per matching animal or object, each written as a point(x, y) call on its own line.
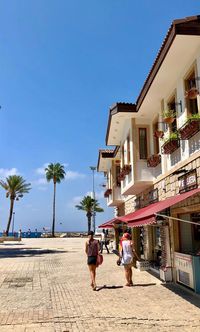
point(186, 294)
point(27, 252)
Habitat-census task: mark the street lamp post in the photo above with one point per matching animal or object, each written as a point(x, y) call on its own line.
point(93, 169)
point(13, 223)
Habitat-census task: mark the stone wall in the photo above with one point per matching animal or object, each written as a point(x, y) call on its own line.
point(167, 187)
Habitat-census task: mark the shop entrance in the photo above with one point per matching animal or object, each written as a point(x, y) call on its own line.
point(189, 234)
point(156, 247)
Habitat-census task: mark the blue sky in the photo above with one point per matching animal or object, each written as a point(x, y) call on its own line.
point(62, 65)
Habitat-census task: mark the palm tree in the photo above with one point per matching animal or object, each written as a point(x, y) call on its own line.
point(89, 205)
point(56, 173)
point(15, 187)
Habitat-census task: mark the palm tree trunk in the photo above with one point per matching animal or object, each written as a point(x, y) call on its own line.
point(54, 210)
point(10, 215)
point(89, 221)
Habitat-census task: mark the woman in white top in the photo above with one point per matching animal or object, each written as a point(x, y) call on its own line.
point(127, 253)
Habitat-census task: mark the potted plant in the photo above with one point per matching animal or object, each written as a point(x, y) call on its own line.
point(172, 143)
point(121, 176)
point(192, 93)
point(108, 192)
point(190, 127)
point(169, 116)
point(126, 169)
point(154, 160)
point(159, 133)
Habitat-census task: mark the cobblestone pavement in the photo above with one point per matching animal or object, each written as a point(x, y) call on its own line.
point(45, 286)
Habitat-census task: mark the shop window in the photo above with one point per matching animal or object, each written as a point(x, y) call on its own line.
point(195, 217)
point(143, 143)
point(191, 104)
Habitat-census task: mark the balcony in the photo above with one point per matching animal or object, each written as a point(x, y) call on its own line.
point(140, 179)
point(115, 198)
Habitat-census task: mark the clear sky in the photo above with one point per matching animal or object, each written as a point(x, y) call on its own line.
point(63, 63)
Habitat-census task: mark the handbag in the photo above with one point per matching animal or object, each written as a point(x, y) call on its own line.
point(99, 259)
point(119, 261)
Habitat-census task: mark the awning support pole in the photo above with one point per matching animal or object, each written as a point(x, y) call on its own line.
point(187, 221)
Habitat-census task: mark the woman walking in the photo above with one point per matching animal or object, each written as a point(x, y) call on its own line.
point(92, 250)
point(127, 254)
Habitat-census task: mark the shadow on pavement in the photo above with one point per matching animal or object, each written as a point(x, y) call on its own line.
point(186, 295)
point(145, 285)
point(27, 252)
point(107, 287)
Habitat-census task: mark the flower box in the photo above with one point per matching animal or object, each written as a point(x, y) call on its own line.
point(126, 169)
point(107, 193)
point(170, 145)
point(190, 128)
point(154, 160)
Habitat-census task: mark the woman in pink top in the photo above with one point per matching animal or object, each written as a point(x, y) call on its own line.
point(127, 253)
point(92, 249)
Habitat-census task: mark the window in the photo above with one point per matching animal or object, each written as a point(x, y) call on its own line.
point(143, 143)
point(172, 106)
point(128, 150)
point(156, 139)
point(118, 183)
point(190, 82)
point(122, 155)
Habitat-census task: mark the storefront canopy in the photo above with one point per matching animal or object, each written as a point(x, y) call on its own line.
point(112, 222)
point(146, 215)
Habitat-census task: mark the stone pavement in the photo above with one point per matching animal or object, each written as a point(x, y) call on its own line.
point(45, 287)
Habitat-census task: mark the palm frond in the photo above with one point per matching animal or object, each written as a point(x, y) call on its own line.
point(55, 172)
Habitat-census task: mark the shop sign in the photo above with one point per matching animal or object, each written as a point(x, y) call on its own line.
point(153, 196)
point(187, 181)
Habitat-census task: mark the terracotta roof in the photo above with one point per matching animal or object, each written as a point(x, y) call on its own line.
point(117, 108)
point(107, 153)
point(187, 26)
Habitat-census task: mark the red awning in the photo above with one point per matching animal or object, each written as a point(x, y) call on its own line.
point(149, 211)
point(142, 222)
point(112, 222)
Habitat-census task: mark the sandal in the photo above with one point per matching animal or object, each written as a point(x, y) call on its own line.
point(128, 285)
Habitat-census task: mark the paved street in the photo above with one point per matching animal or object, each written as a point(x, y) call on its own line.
point(45, 286)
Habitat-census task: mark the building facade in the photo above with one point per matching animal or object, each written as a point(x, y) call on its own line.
point(153, 173)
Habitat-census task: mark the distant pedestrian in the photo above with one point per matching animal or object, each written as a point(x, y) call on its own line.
point(104, 241)
point(92, 250)
point(29, 233)
point(19, 234)
point(127, 254)
point(36, 233)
